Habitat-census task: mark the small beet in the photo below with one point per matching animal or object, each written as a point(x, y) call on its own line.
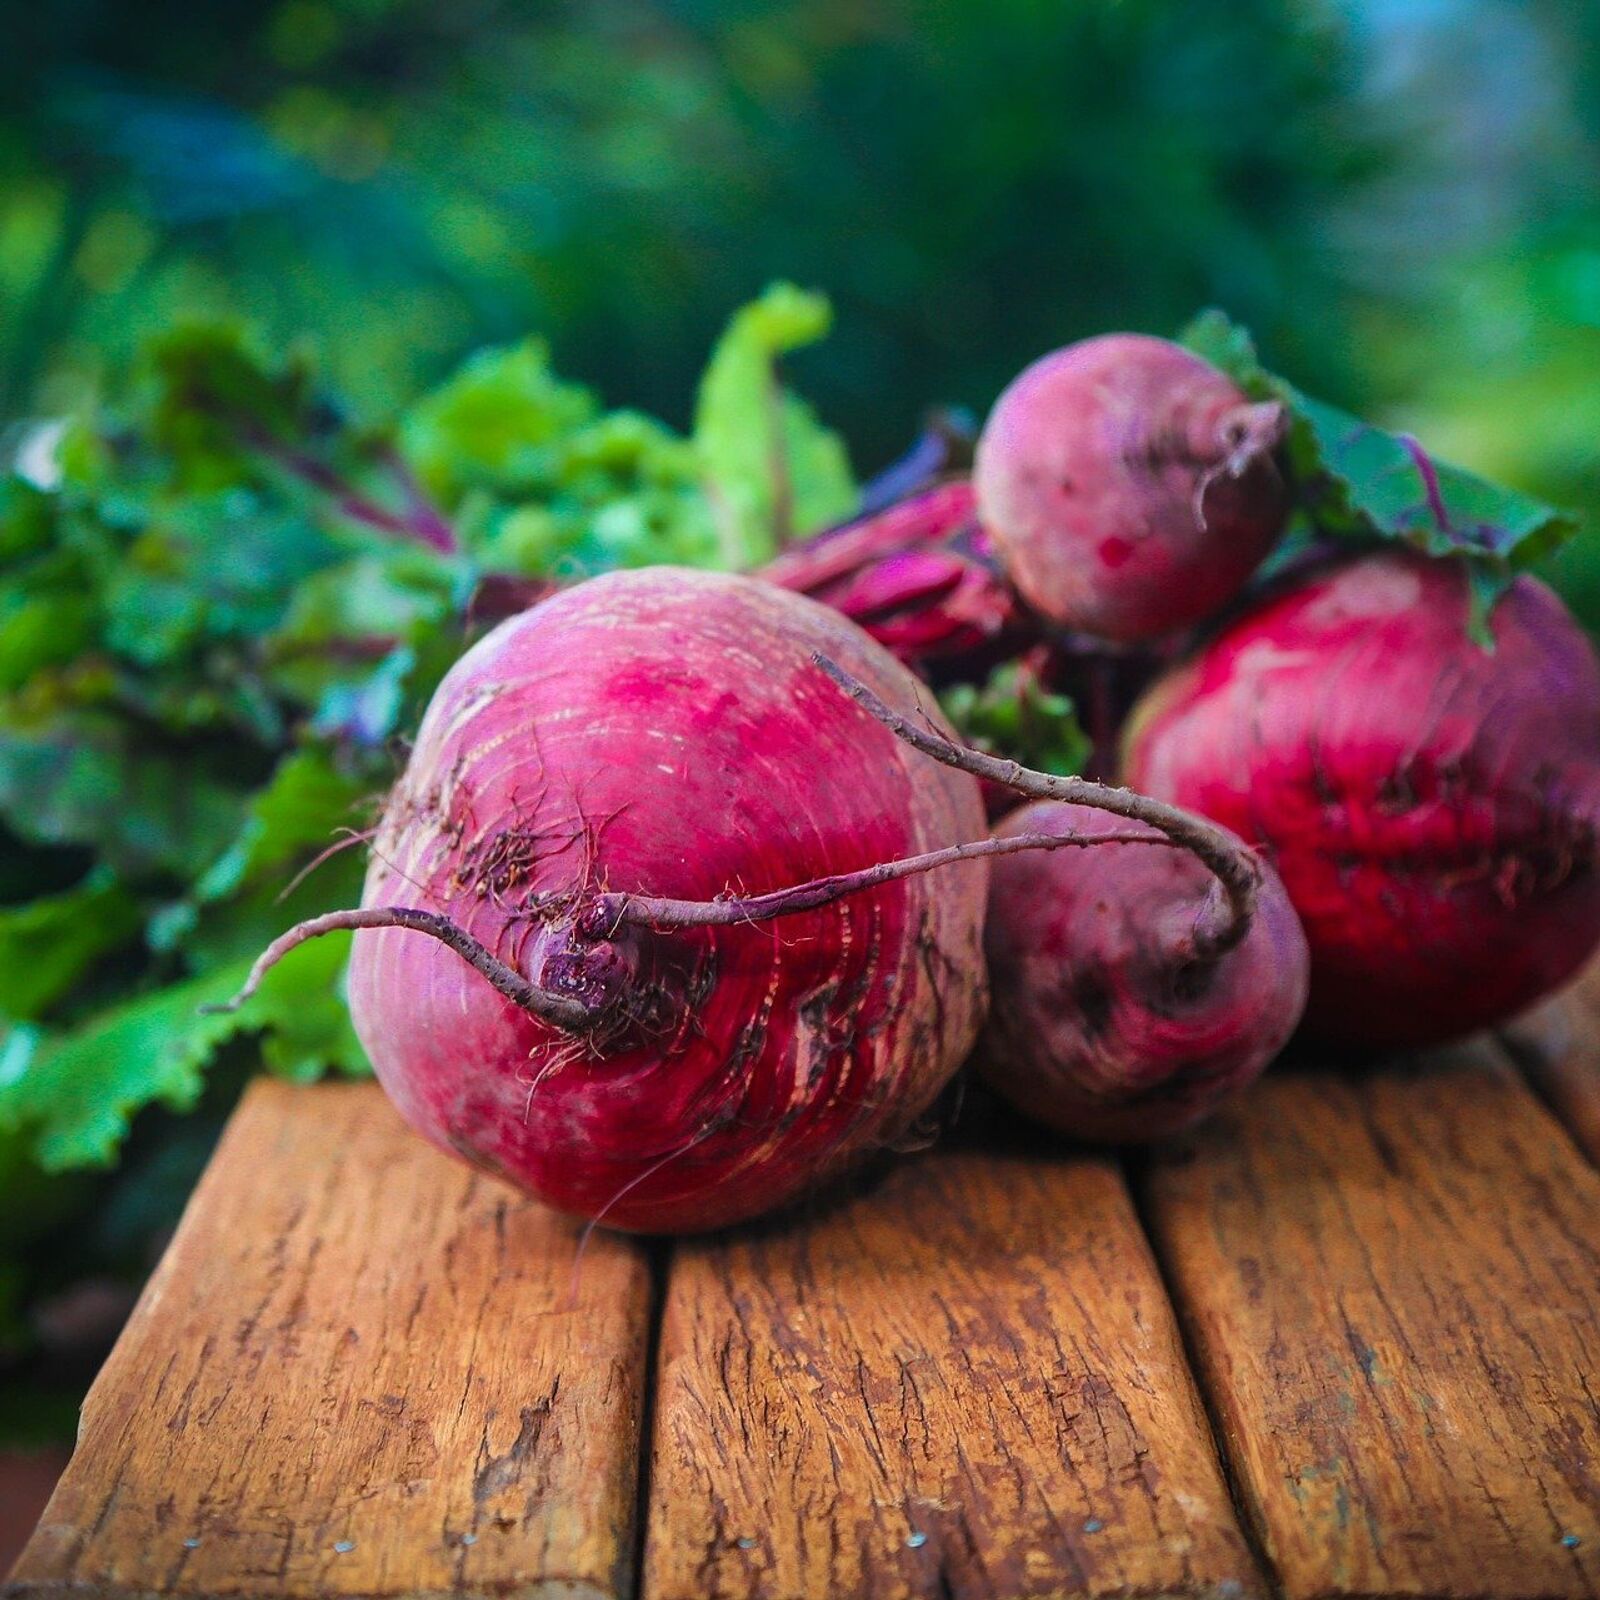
point(1127, 1019)
point(1106, 1022)
point(1429, 803)
point(1130, 487)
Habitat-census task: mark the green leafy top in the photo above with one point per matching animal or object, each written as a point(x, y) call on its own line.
point(1356, 481)
point(1012, 713)
point(772, 470)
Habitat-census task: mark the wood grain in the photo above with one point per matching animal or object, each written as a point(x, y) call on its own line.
point(965, 1382)
point(1392, 1283)
point(1558, 1046)
point(360, 1370)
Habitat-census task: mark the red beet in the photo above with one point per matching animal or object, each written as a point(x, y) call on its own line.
point(1429, 803)
point(649, 734)
point(1129, 486)
point(1142, 982)
point(920, 576)
point(1106, 1021)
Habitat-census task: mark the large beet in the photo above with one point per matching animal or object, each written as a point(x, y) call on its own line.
point(563, 972)
point(1430, 804)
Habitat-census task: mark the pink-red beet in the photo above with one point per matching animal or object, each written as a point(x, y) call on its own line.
point(1105, 1021)
point(1130, 487)
point(1138, 993)
point(647, 734)
point(1430, 804)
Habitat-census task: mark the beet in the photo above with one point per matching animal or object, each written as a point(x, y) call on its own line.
point(1130, 487)
point(1105, 1020)
point(920, 576)
point(1429, 803)
point(1139, 982)
point(666, 1063)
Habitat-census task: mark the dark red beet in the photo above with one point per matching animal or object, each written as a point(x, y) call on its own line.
point(1143, 982)
point(1430, 805)
point(920, 576)
point(1105, 1022)
point(1129, 486)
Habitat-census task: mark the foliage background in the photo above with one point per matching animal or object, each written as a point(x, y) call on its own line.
point(1400, 197)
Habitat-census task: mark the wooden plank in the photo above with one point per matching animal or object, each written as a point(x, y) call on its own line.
point(1391, 1280)
point(1558, 1046)
point(965, 1382)
point(360, 1370)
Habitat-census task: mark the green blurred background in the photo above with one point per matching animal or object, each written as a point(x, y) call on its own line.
point(1402, 197)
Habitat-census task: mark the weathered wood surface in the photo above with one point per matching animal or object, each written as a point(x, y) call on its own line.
point(363, 1372)
point(964, 1382)
point(1392, 1283)
point(360, 1370)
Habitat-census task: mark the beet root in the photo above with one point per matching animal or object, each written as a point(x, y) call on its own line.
point(606, 794)
point(1104, 1023)
point(1130, 487)
point(1211, 947)
point(1430, 804)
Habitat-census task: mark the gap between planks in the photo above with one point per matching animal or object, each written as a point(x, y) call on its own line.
point(1557, 1045)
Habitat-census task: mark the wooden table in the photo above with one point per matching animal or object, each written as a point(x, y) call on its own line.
point(1343, 1342)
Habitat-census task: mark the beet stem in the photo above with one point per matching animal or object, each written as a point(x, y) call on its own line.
point(428, 522)
point(612, 910)
point(782, 478)
point(1222, 922)
point(560, 1011)
point(1430, 481)
point(1251, 431)
point(422, 520)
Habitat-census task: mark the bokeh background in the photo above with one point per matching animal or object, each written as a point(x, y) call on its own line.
point(1400, 197)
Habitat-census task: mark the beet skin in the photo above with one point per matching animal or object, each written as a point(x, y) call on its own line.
point(1104, 1022)
point(1429, 804)
point(665, 733)
point(1129, 487)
